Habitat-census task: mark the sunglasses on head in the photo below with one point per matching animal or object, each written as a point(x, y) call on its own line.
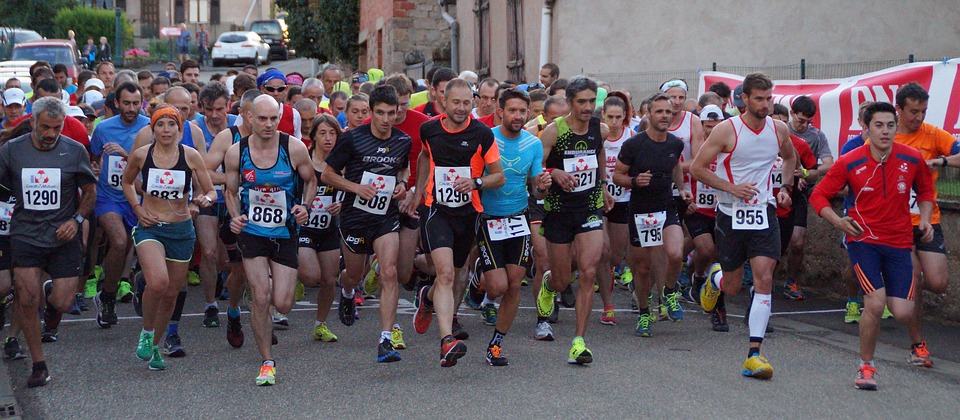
point(272, 89)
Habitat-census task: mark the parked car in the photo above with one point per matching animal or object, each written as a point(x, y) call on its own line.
point(240, 47)
point(13, 36)
point(16, 69)
point(53, 51)
point(274, 32)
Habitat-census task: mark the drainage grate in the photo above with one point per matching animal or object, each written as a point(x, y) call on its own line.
point(8, 410)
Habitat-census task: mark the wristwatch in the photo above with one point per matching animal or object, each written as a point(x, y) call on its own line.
point(79, 219)
point(478, 182)
point(943, 161)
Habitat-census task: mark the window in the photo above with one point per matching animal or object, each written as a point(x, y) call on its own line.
point(179, 13)
point(150, 16)
point(214, 12)
point(379, 48)
point(199, 10)
point(515, 40)
point(482, 11)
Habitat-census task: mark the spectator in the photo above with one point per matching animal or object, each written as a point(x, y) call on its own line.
point(183, 43)
point(203, 43)
point(89, 50)
point(72, 37)
point(104, 53)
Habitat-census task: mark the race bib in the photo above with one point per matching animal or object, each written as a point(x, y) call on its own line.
point(41, 188)
point(776, 175)
point(6, 213)
point(379, 203)
point(267, 209)
point(706, 197)
point(619, 193)
point(443, 179)
point(508, 227)
point(165, 184)
point(650, 228)
point(750, 215)
point(320, 218)
point(115, 167)
point(584, 171)
point(914, 208)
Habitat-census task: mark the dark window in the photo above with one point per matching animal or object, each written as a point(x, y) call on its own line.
point(214, 12)
point(515, 40)
point(179, 12)
point(482, 11)
point(150, 18)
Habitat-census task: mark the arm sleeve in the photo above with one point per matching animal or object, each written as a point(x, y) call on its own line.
point(829, 186)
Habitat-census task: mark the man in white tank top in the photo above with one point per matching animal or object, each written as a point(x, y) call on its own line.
point(745, 148)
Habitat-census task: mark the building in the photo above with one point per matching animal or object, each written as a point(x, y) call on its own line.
point(394, 34)
point(148, 16)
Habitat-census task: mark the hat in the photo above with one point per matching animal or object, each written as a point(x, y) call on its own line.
point(93, 82)
point(14, 96)
point(294, 79)
point(711, 113)
point(87, 110)
point(65, 97)
point(90, 97)
point(737, 101)
point(270, 75)
point(75, 112)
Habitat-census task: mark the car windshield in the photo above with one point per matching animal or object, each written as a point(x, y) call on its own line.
point(53, 55)
point(266, 28)
point(233, 38)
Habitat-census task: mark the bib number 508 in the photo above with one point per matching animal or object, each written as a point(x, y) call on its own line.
point(376, 203)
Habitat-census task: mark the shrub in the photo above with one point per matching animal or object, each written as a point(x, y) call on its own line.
point(94, 23)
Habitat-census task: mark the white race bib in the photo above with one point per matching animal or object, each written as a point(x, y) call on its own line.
point(385, 185)
point(166, 184)
point(619, 193)
point(443, 179)
point(584, 171)
point(320, 218)
point(776, 175)
point(650, 228)
point(706, 196)
point(219, 187)
point(914, 208)
point(41, 188)
point(267, 209)
point(508, 227)
point(6, 213)
point(115, 167)
point(750, 216)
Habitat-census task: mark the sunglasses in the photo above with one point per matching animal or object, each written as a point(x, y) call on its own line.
point(272, 89)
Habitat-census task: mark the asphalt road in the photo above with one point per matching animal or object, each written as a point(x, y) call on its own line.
point(685, 370)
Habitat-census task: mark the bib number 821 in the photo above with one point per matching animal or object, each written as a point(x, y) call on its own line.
point(585, 178)
point(750, 217)
point(266, 215)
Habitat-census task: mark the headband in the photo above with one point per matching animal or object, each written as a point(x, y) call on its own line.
point(270, 75)
point(672, 84)
point(166, 112)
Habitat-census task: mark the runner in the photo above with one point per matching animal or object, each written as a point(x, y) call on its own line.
point(112, 141)
point(265, 217)
point(456, 149)
point(503, 233)
point(45, 171)
point(616, 114)
point(940, 150)
point(164, 236)
point(747, 147)
point(878, 237)
point(370, 163)
point(573, 225)
point(649, 164)
point(854, 299)
point(438, 86)
point(319, 252)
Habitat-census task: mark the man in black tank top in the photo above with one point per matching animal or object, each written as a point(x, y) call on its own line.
point(572, 153)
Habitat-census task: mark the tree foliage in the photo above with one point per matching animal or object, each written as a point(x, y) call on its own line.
point(94, 23)
point(37, 15)
point(324, 29)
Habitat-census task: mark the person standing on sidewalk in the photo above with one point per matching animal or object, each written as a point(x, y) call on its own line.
point(203, 43)
point(183, 43)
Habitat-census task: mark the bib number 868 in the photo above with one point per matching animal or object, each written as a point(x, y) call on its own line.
point(266, 215)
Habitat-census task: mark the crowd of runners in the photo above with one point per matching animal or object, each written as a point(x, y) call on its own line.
point(258, 186)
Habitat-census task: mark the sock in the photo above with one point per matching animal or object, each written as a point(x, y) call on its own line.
point(608, 308)
point(317, 323)
point(108, 296)
point(497, 338)
point(41, 365)
point(385, 335)
point(541, 319)
point(851, 300)
point(722, 302)
point(271, 363)
point(233, 312)
point(142, 332)
point(717, 279)
point(124, 280)
point(753, 351)
point(346, 294)
point(212, 305)
point(397, 327)
point(866, 362)
point(487, 300)
point(173, 328)
point(668, 290)
point(759, 315)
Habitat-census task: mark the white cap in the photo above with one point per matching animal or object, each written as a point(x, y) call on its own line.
point(75, 112)
point(14, 96)
point(65, 97)
point(90, 97)
point(93, 82)
point(229, 83)
point(711, 113)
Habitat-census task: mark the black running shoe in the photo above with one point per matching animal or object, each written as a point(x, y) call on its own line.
point(719, 320)
point(234, 332)
point(386, 353)
point(106, 309)
point(12, 349)
point(567, 297)
point(494, 358)
point(347, 311)
point(49, 335)
point(458, 332)
point(39, 377)
point(173, 347)
point(211, 317)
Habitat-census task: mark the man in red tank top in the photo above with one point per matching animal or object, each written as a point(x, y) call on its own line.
point(272, 82)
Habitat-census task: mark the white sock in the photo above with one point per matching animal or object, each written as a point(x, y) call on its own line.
point(212, 305)
point(317, 323)
point(397, 326)
point(717, 279)
point(486, 300)
point(384, 335)
point(142, 332)
point(864, 362)
point(346, 294)
point(759, 315)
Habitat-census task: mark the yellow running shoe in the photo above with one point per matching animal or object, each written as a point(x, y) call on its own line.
point(545, 298)
point(322, 333)
point(193, 278)
point(299, 292)
point(396, 336)
point(758, 367)
point(579, 353)
point(268, 375)
point(886, 313)
point(372, 281)
point(709, 294)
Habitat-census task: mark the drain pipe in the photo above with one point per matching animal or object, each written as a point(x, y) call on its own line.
point(545, 31)
point(454, 35)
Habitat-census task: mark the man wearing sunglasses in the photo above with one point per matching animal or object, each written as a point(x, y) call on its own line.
point(273, 83)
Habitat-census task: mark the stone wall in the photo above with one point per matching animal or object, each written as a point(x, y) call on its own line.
point(406, 25)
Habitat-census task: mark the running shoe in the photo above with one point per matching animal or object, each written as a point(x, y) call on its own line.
point(555, 315)
point(886, 313)
point(687, 293)
point(567, 297)
point(489, 314)
point(346, 310)
point(357, 300)
point(106, 310)
point(211, 317)
point(396, 337)
point(674, 310)
point(145, 346)
point(792, 291)
point(596, 288)
point(458, 331)
point(866, 378)
point(525, 282)
point(545, 298)
point(684, 278)
point(280, 321)
point(193, 278)
point(268, 375)
point(12, 349)
point(322, 333)
point(74, 308)
point(609, 317)
point(173, 347)
point(424, 314)
point(494, 356)
point(757, 366)
point(90, 287)
point(718, 319)
point(386, 353)
point(299, 291)
point(156, 361)
point(662, 314)
point(853, 313)
point(643, 325)
point(49, 335)
point(82, 303)
point(372, 281)
point(234, 332)
point(139, 286)
point(39, 377)
point(920, 355)
point(451, 349)
point(475, 293)
point(626, 278)
point(544, 331)
point(653, 307)
point(579, 353)
point(124, 291)
point(709, 294)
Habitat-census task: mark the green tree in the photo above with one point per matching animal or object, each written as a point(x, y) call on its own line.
point(94, 22)
point(324, 29)
point(37, 15)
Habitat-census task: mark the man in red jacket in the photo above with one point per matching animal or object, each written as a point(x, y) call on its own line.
point(878, 229)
